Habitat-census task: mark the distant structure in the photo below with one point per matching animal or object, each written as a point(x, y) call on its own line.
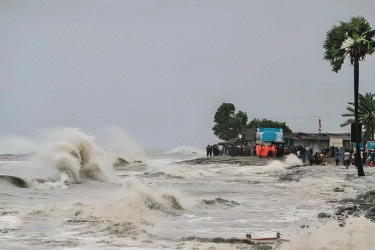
point(309, 140)
point(269, 134)
point(318, 141)
point(266, 136)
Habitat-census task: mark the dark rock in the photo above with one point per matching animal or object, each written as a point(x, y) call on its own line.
point(120, 162)
point(337, 189)
point(348, 209)
point(209, 202)
point(362, 205)
point(324, 215)
point(220, 201)
point(291, 177)
point(153, 175)
point(235, 202)
point(350, 206)
point(218, 240)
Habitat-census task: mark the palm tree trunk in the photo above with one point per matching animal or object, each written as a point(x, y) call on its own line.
point(358, 160)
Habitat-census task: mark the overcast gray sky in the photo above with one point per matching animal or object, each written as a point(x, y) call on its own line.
point(160, 69)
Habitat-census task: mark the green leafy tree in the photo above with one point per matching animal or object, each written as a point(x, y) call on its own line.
point(353, 39)
point(242, 116)
point(228, 124)
point(265, 123)
point(366, 115)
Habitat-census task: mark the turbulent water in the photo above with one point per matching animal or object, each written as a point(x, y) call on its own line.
point(105, 192)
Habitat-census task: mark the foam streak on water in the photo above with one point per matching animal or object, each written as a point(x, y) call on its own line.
point(154, 202)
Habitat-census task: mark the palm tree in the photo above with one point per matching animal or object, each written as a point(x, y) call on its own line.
point(353, 39)
point(366, 115)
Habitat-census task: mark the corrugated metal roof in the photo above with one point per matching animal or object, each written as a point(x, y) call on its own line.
point(314, 137)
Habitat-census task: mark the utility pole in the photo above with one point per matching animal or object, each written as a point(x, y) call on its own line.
point(320, 130)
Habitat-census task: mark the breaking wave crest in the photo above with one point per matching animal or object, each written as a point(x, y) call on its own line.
point(74, 155)
point(184, 150)
point(274, 167)
point(293, 160)
point(149, 198)
point(138, 205)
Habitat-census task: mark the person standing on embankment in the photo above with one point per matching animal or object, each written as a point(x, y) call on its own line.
point(347, 158)
point(337, 157)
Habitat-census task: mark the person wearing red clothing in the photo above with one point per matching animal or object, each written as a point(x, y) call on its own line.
point(264, 150)
point(257, 150)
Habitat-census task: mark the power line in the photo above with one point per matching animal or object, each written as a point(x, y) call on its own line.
point(304, 117)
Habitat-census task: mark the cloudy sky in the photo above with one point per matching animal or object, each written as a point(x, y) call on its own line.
point(160, 69)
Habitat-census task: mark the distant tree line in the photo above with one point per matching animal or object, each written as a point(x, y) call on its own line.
point(229, 124)
point(265, 123)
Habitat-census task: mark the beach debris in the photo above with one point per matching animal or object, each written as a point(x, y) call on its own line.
point(263, 240)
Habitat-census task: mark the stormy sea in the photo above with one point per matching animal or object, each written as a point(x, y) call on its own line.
point(103, 191)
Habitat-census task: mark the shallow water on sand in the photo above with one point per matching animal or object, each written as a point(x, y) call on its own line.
point(153, 204)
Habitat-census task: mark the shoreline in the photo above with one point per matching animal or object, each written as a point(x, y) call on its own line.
point(227, 159)
point(246, 160)
point(362, 205)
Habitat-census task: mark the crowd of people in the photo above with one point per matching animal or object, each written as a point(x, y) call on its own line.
point(261, 150)
point(229, 149)
point(279, 150)
point(348, 157)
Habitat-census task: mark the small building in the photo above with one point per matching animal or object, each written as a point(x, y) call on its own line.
point(249, 136)
point(317, 141)
point(313, 141)
point(264, 135)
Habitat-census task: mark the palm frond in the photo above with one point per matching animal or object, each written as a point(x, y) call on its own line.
point(346, 123)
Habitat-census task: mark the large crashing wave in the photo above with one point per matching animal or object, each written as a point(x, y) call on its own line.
point(67, 155)
point(74, 155)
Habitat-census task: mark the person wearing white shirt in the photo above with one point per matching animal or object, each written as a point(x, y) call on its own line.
point(347, 158)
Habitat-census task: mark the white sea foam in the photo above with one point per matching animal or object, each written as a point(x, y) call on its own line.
point(275, 167)
point(186, 151)
point(35, 184)
point(9, 222)
point(118, 143)
point(180, 170)
point(206, 246)
point(293, 160)
point(137, 203)
point(358, 233)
